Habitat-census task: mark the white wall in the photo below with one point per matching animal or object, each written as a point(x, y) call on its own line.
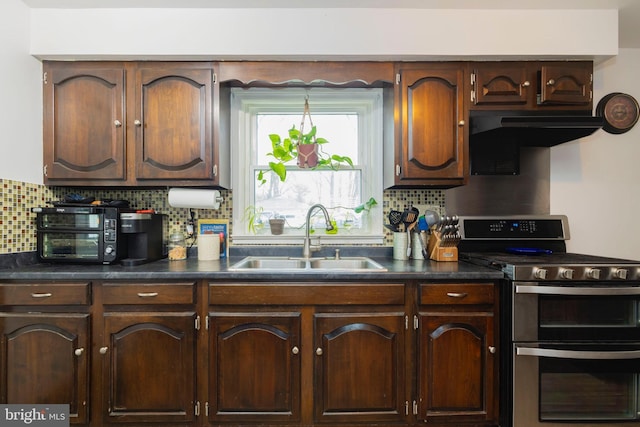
point(322, 33)
point(594, 181)
point(20, 98)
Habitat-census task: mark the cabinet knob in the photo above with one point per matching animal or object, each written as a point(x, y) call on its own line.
point(103, 350)
point(492, 349)
point(526, 83)
point(551, 82)
point(137, 122)
point(319, 351)
point(295, 350)
point(78, 351)
point(461, 123)
point(117, 123)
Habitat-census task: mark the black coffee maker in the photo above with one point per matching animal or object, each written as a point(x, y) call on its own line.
point(145, 237)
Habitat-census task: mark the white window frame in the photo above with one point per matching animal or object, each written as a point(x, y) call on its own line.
point(368, 103)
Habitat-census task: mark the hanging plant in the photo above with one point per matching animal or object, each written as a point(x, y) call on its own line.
point(305, 148)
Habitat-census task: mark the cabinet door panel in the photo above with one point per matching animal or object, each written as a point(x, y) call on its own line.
point(45, 360)
point(359, 367)
point(149, 367)
point(84, 123)
point(456, 367)
point(432, 143)
point(566, 84)
point(502, 84)
point(174, 134)
point(255, 367)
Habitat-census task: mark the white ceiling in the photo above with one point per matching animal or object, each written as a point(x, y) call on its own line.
point(629, 10)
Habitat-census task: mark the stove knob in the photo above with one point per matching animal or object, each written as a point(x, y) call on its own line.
point(539, 273)
point(566, 273)
point(620, 273)
point(592, 273)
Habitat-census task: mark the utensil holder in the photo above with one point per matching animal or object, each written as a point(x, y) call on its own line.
point(442, 251)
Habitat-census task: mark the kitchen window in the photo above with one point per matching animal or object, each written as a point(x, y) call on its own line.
point(351, 120)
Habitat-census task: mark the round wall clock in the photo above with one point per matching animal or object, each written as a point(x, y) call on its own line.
point(619, 111)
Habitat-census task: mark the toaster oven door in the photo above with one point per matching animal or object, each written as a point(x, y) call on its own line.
point(70, 246)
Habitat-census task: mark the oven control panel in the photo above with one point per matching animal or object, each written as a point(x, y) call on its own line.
point(548, 227)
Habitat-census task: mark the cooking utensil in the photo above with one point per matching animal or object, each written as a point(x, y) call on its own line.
point(395, 218)
point(432, 218)
point(409, 218)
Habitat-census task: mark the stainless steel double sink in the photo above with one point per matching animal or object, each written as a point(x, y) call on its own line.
point(288, 264)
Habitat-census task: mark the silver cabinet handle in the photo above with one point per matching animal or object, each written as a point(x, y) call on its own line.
point(492, 349)
point(78, 351)
point(526, 83)
point(566, 290)
point(147, 294)
point(551, 82)
point(319, 351)
point(295, 350)
point(461, 123)
point(41, 295)
point(137, 122)
point(570, 354)
point(103, 350)
point(117, 123)
point(457, 294)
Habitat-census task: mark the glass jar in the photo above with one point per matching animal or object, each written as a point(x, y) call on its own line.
point(177, 247)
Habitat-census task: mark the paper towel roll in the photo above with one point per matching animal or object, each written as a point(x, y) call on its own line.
point(194, 198)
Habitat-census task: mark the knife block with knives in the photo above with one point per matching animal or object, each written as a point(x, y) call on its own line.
point(439, 250)
point(444, 239)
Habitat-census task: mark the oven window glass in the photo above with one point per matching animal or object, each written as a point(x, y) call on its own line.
point(594, 390)
point(71, 245)
point(587, 312)
point(65, 221)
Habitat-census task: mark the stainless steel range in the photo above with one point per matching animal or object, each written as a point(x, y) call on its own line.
point(571, 335)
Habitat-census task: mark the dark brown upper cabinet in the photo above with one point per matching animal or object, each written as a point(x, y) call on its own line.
point(146, 123)
point(532, 85)
point(431, 132)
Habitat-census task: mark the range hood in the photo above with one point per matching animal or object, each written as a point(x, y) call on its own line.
point(495, 137)
point(526, 128)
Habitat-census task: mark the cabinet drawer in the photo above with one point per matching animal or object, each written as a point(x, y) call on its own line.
point(45, 294)
point(457, 293)
point(306, 293)
point(149, 293)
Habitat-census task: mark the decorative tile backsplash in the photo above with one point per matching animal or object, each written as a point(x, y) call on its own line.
point(18, 222)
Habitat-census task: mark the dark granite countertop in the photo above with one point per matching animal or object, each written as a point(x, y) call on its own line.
point(192, 269)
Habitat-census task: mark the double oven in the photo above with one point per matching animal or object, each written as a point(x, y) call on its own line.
point(571, 327)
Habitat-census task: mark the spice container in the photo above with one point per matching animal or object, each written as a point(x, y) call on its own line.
point(177, 247)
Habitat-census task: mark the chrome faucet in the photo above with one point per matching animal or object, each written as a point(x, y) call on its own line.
point(307, 248)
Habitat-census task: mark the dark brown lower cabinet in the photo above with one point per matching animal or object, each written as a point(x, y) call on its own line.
point(149, 367)
point(359, 367)
point(205, 354)
point(45, 360)
point(254, 367)
point(457, 355)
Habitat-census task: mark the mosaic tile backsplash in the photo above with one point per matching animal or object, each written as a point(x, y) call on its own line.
point(18, 222)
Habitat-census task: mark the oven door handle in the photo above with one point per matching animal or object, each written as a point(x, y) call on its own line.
point(570, 290)
point(571, 354)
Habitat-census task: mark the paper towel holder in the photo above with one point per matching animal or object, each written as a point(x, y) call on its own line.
point(194, 198)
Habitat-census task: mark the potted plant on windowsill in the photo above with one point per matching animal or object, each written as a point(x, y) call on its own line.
point(303, 147)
